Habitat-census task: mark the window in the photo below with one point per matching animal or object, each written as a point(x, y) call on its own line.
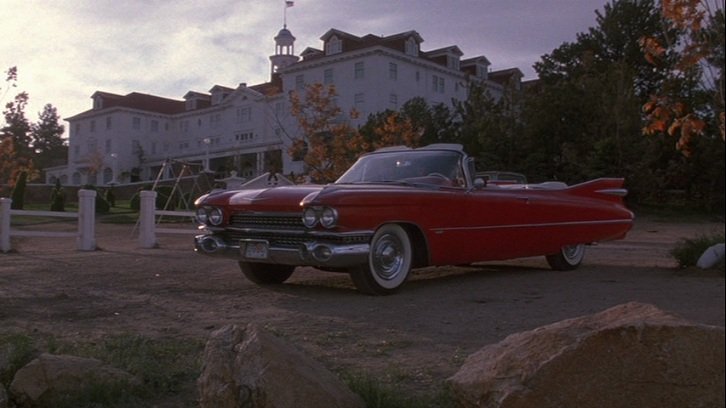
point(108, 122)
point(393, 101)
point(359, 72)
point(108, 146)
point(214, 120)
point(136, 123)
point(93, 126)
point(392, 71)
point(437, 84)
point(78, 128)
point(243, 137)
point(328, 76)
point(333, 46)
point(418, 76)
point(411, 47)
point(154, 125)
point(244, 114)
point(452, 62)
point(184, 126)
point(359, 100)
point(299, 82)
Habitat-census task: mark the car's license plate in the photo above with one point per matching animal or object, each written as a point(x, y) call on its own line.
point(255, 249)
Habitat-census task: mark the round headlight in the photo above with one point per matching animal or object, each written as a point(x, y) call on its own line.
point(329, 217)
point(215, 216)
point(309, 218)
point(201, 215)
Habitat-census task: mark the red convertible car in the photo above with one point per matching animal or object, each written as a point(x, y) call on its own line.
point(399, 208)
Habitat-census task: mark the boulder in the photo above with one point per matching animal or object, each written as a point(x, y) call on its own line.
point(632, 355)
point(3, 397)
point(50, 375)
point(249, 367)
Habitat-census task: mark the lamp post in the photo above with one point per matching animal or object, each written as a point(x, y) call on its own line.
point(207, 141)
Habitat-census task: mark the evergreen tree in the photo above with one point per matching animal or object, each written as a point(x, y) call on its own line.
point(47, 141)
point(17, 125)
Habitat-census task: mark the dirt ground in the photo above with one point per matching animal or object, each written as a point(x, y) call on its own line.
point(416, 338)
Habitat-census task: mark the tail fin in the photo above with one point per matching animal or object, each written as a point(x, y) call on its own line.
point(610, 189)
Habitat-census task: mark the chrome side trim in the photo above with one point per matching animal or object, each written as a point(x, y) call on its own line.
point(620, 192)
point(542, 225)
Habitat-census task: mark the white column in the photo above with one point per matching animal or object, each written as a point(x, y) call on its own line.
point(147, 219)
point(5, 204)
point(86, 240)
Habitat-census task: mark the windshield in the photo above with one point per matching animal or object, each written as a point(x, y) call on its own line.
point(406, 166)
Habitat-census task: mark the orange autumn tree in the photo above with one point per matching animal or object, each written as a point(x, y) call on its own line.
point(327, 143)
point(396, 130)
point(694, 41)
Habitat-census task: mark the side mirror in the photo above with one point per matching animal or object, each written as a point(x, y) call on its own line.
point(479, 183)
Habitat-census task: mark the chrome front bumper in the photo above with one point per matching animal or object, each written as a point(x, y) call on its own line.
point(308, 254)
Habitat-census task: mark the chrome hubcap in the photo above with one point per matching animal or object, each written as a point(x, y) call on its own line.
point(387, 257)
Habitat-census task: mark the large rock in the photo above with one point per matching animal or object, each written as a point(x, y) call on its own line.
point(3, 397)
point(49, 375)
point(632, 355)
point(249, 367)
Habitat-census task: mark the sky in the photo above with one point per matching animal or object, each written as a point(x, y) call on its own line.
point(65, 50)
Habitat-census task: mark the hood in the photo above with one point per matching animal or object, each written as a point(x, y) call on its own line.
point(285, 198)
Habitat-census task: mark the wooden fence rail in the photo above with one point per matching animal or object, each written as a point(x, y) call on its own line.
point(86, 215)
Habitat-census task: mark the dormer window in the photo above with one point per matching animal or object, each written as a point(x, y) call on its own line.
point(411, 47)
point(333, 46)
point(452, 62)
point(481, 71)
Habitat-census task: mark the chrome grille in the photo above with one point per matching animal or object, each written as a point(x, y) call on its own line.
point(267, 221)
point(282, 230)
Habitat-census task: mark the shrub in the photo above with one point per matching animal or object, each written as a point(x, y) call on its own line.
point(162, 198)
point(102, 206)
point(57, 198)
point(17, 350)
point(110, 197)
point(18, 194)
point(687, 251)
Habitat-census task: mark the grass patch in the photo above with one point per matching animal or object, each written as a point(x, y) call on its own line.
point(16, 350)
point(376, 394)
point(165, 368)
point(688, 250)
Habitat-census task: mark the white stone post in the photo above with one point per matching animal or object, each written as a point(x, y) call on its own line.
point(5, 204)
point(86, 240)
point(147, 219)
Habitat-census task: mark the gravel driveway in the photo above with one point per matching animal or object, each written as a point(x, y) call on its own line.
point(417, 337)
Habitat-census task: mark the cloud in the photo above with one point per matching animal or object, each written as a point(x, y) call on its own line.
point(65, 50)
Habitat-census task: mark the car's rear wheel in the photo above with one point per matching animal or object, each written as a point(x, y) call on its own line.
point(389, 262)
point(266, 274)
point(569, 257)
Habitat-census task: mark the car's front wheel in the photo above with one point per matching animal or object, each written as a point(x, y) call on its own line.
point(569, 257)
point(389, 262)
point(266, 274)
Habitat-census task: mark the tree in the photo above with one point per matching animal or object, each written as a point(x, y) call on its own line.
point(48, 145)
point(692, 49)
point(11, 164)
point(583, 120)
point(17, 125)
point(328, 145)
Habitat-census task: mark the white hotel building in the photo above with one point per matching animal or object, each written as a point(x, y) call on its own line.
point(129, 137)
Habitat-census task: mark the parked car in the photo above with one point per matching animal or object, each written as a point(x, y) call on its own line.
point(397, 209)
